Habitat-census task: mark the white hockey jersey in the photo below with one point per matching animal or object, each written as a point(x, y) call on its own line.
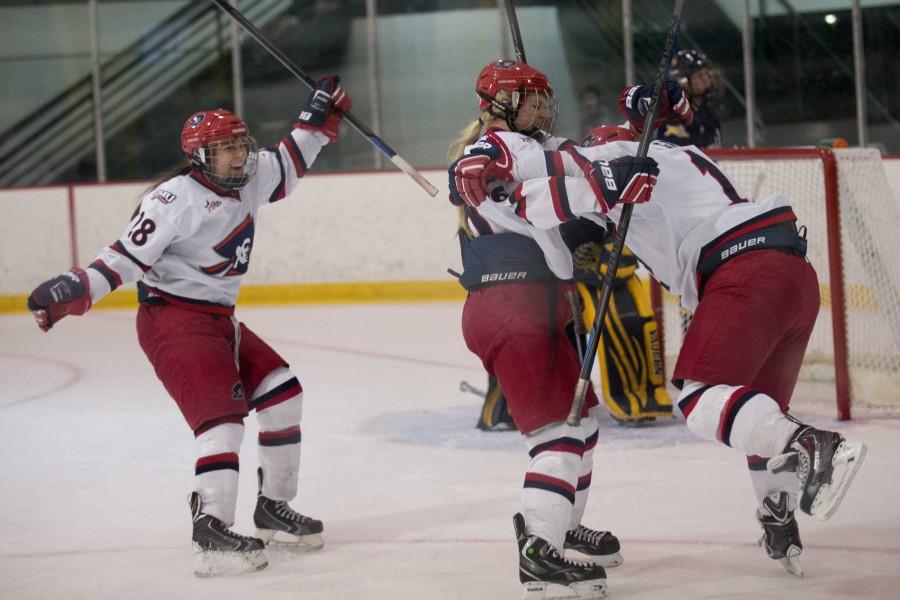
point(694, 207)
point(190, 243)
point(521, 157)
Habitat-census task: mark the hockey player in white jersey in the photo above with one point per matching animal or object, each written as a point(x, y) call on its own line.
point(188, 246)
point(520, 281)
point(740, 266)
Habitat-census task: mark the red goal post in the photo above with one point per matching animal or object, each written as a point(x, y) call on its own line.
point(853, 226)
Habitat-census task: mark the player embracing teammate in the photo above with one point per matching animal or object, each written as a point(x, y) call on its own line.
point(739, 265)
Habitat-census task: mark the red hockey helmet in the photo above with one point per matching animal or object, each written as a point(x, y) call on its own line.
point(502, 87)
point(605, 134)
point(204, 131)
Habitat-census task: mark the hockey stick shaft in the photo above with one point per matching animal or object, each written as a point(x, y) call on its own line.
point(612, 263)
point(514, 30)
point(358, 125)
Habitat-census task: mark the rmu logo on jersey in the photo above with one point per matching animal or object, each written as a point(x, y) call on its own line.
point(164, 196)
point(235, 249)
point(741, 246)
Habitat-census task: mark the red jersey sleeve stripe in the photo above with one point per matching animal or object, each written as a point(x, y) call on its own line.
point(120, 248)
point(279, 192)
point(554, 164)
point(296, 155)
point(113, 278)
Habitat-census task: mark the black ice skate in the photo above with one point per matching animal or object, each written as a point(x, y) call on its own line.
point(220, 551)
point(825, 464)
point(541, 565)
point(278, 525)
point(602, 546)
point(780, 538)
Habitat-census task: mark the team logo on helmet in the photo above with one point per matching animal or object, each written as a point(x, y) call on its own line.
point(197, 119)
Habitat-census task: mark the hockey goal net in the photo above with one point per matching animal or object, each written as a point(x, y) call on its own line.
point(853, 226)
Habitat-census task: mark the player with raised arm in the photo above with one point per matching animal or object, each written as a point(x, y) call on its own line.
point(520, 281)
point(188, 246)
point(741, 267)
point(694, 72)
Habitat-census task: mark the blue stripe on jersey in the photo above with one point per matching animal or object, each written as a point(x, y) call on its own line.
point(278, 192)
point(294, 151)
point(120, 248)
point(563, 195)
point(111, 278)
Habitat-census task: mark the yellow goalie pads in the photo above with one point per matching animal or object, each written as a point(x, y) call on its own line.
point(629, 358)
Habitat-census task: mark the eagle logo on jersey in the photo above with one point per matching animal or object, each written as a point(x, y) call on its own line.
point(235, 249)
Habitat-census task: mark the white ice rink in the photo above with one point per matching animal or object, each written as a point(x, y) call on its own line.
point(96, 464)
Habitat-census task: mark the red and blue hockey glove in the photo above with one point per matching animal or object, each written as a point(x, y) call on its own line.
point(470, 179)
point(626, 179)
point(635, 102)
point(325, 107)
point(66, 294)
point(468, 183)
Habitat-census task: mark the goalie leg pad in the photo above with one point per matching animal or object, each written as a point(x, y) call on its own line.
point(495, 415)
point(630, 360)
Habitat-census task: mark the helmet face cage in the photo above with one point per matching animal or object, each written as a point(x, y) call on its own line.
point(212, 139)
point(689, 61)
point(507, 88)
point(538, 110)
point(211, 156)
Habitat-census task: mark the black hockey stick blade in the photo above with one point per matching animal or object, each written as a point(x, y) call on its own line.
point(514, 30)
point(297, 72)
point(612, 263)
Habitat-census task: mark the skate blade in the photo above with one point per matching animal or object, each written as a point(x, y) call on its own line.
point(210, 563)
point(582, 590)
point(606, 561)
point(792, 565)
point(282, 540)
point(846, 462)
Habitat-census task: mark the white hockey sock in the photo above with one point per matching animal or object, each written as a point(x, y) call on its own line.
point(583, 487)
point(279, 439)
point(548, 494)
point(216, 470)
point(745, 419)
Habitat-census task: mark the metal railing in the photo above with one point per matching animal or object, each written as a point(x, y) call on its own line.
point(60, 133)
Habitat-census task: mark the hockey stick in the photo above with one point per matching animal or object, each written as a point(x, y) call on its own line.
point(514, 30)
point(612, 263)
point(358, 125)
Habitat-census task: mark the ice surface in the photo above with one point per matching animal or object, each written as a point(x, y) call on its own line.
point(417, 504)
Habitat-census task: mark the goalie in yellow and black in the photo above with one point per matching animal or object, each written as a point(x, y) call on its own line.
point(631, 368)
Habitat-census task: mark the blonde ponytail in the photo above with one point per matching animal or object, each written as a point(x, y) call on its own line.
point(467, 136)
